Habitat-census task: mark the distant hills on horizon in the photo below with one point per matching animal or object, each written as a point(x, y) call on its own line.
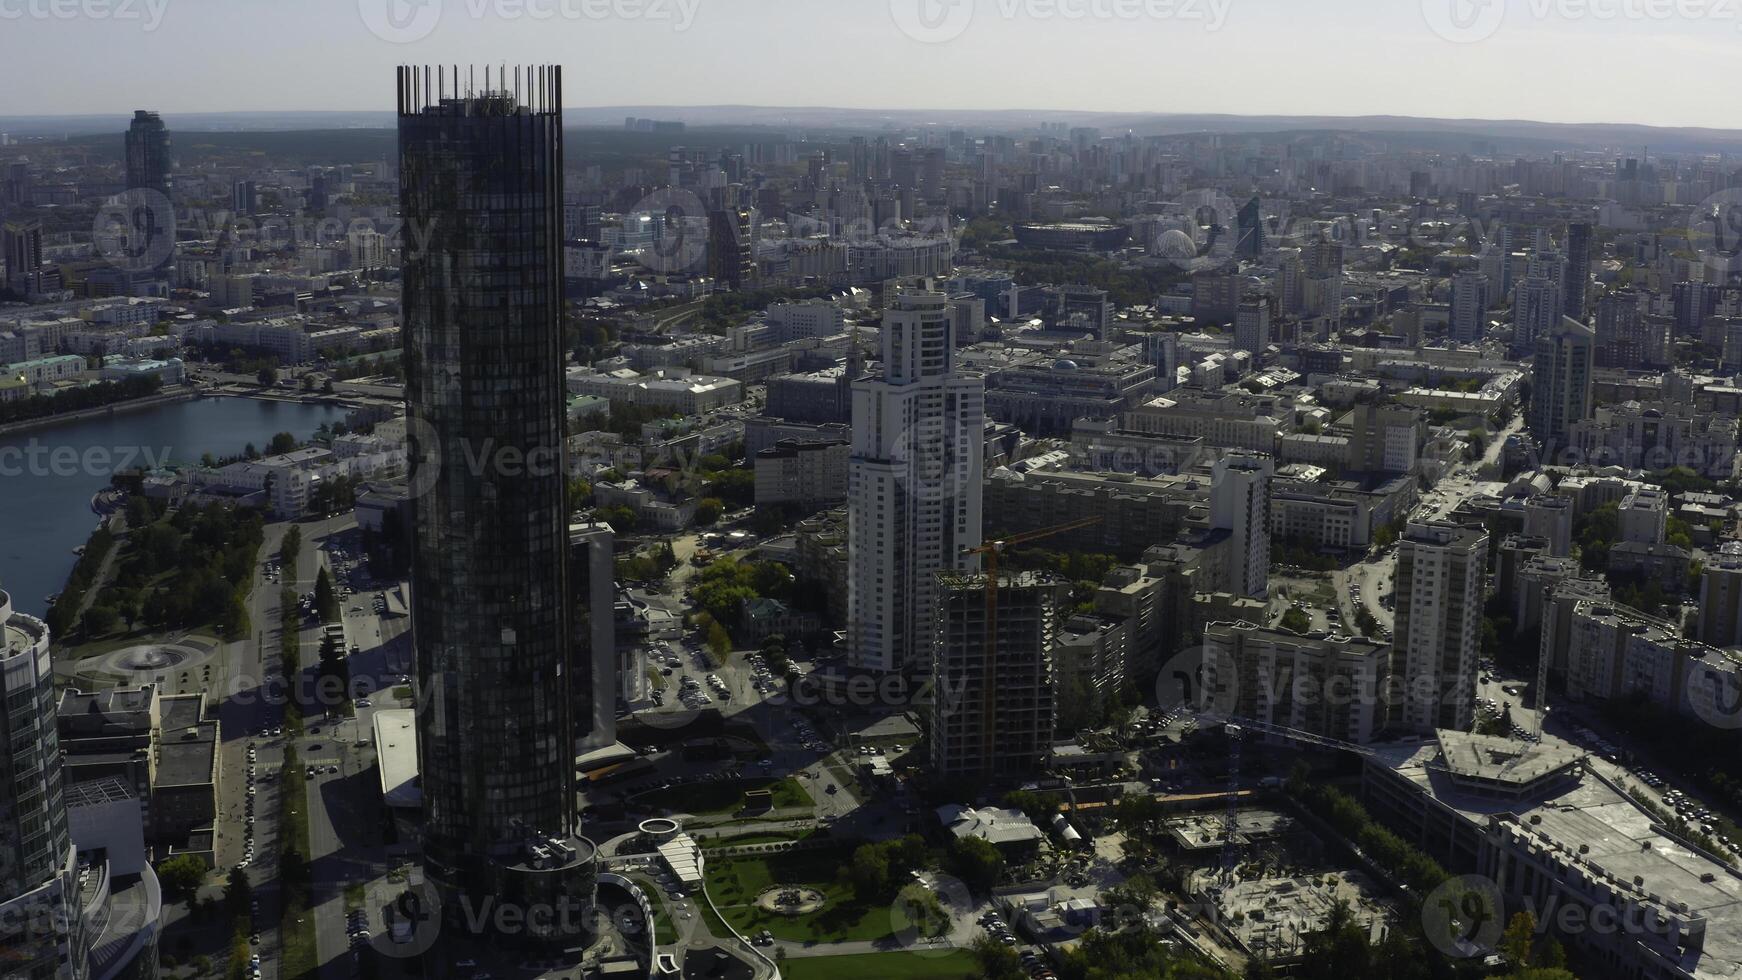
point(1453, 134)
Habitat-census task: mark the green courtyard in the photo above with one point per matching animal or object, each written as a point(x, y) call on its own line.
point(736, 883)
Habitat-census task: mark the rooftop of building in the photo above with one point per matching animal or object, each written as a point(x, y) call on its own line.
point(1592, 824)
point(991, 824)
point(1503, 760)
point(185, 757)
point(181, 710)
point(116, 709)
point(395, 731)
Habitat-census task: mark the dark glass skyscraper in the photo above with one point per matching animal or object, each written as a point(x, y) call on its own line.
point(148, 163)
point(481, 195)
point(1578, 278)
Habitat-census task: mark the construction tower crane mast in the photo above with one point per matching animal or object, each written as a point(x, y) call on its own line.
point(992, 550)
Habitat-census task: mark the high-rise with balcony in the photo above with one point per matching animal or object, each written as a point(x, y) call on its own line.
point(498, 685)
point(1442, 574)
point(914, 484)
point(42, 933)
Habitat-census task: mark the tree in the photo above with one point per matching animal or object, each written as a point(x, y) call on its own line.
point(869, 872)
point(708, 511)
point(976, 862)
point(139, 512)
point(621, 519)
point(1385, 537)
point(1296, 621)
point(237, 891)
point(267, 377)
point(183, 875)
point(996, 960)
point(289, 548)
point(1516, 942)
point(99, 621)
point(326, 599)
point(719, 641)
point(281, 443)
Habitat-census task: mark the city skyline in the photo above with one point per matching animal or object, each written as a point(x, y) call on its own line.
point(757, 543)
point(655, 53)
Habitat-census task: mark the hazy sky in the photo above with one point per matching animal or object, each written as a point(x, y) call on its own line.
point(1658, 62)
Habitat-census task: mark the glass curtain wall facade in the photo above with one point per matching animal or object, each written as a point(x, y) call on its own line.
point(481, 197)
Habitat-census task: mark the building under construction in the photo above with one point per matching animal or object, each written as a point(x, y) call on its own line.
point(992, 711)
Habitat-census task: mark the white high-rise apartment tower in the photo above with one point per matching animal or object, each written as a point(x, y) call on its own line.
point(1240, 505)
point(1442, 574)
point(914, 487)
point(1469, 314)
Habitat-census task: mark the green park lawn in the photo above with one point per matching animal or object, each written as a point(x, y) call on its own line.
point(735, 883)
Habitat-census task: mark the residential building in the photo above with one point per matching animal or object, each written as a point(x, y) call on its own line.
point(1550, 517)
point(1561, 384)
point(1658, 436)
point(804, 473)
point(21, 249)
point(915, 484)
point(1330, 686)
point(1441, 588)
point(1240, 505)
point(1130, 514)
point(992, 714)
point(1643, 516)
point(1387, 439)
point(1720, 619)
point(1252, 327)
point(1470, 302)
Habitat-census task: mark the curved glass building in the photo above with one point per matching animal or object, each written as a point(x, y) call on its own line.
point(481, 197)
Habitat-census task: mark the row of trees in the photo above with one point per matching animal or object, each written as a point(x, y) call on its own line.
point(77, 399)
point(84, 575)
point(1351, 821)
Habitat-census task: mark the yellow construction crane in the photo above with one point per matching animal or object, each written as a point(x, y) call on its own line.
point(991, 550)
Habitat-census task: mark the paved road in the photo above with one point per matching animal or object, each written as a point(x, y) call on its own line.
point(247, 675)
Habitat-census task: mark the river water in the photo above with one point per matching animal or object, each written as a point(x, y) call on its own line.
point(48, 475)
